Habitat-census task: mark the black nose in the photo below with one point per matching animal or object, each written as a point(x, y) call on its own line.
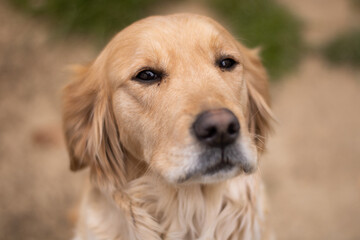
point(217, 128)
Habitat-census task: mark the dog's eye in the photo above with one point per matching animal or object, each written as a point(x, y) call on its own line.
point(148, 76)
point(227, 63)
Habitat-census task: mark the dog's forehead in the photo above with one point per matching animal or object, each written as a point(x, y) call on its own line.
point(178, 25)
point(174, 32)
point(168, 42)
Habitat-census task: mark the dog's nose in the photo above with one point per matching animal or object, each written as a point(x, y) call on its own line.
point(217, 128)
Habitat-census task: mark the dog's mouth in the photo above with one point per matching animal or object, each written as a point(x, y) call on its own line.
point(217, 164)
point(211, 165)
point(223, 166)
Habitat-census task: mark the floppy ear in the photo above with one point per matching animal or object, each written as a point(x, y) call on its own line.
point(92, 139)
point(90, 129)
point(259, 112)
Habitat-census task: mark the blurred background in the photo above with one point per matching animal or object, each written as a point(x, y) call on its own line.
point(311, 49)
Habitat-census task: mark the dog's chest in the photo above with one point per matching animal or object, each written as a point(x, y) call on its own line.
point(226, 212)
point(229, 212)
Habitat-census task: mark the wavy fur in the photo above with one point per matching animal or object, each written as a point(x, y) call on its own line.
point(129, 196)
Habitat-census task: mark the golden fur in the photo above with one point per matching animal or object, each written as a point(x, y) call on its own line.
point(135, 136)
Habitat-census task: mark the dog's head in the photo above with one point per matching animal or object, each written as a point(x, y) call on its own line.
point(176, 93)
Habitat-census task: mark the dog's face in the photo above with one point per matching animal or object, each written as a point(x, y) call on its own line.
point(178, 93)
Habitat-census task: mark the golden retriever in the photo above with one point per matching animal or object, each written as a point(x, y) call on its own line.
point(171, 119)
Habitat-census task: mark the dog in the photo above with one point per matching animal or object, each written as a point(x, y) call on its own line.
point(171, 119)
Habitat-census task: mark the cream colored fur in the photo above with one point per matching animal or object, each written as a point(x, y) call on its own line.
point(232, 210)
point(136, 138)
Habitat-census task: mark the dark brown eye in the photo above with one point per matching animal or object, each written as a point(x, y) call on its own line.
point(227, 63)
point(148, 76)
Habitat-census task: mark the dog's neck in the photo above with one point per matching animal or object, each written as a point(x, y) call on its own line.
point(197, 211)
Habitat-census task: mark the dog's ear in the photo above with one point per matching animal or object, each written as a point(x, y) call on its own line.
point(90, 128)
point(259, 114)
point(92, 139)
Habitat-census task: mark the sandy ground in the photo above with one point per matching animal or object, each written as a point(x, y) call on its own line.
point(311, 169)
point(312, 166)
point(37, 188)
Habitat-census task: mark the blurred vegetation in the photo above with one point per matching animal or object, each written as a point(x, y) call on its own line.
point(257, 22)
point(345, 49)
point(99, 19)
point(266, 24)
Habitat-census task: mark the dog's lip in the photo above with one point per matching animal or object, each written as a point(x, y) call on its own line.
point(221, 166)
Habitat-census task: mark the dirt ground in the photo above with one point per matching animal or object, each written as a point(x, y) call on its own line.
point(311, 168)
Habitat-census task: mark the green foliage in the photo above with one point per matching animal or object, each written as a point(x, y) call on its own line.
point(101, 19)
point(345, 49)
point(266, 24)
point(258, 23)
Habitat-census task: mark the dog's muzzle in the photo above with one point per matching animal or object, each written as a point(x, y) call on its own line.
point(217, 130)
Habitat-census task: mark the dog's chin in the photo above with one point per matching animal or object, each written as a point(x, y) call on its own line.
point(217, 173)
point(209, 165)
